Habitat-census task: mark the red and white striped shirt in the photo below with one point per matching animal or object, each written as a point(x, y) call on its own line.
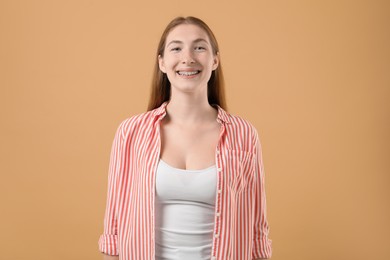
point(240, 227)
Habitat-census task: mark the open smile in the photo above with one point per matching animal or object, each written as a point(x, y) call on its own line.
point(188, 73)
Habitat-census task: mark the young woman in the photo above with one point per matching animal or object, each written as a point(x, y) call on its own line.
point(186, 178)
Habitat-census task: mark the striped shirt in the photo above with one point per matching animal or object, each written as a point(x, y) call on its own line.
point(240, 223)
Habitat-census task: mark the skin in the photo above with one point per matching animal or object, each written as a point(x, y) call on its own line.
point(189, 131)
point(108, 257)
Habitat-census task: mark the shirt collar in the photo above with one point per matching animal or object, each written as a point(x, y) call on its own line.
point(222, 116)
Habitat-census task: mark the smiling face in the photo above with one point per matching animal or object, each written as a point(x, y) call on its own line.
point(188, 59)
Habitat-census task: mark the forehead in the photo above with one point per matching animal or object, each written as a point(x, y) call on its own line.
point(187, 33)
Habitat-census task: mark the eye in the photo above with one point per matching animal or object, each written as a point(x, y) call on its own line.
point(200, 48)
point(175, 49)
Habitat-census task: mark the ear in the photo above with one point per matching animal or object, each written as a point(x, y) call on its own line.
point(216, 61)
point(161, 64)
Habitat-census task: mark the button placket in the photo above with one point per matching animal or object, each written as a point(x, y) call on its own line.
point(218, 195)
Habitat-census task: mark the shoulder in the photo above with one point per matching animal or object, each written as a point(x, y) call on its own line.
point(234, 121)
point(243, 131)
point(135, 123)
point(241, 124)
point(238, 121)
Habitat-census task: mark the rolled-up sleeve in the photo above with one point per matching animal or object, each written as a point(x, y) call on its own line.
point(261, 243)
point(108, 241)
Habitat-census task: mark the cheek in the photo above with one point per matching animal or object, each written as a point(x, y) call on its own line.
point(169, 63)
point(211, 64)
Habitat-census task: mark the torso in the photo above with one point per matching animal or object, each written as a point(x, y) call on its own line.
point(181, 207)
point(189, 147)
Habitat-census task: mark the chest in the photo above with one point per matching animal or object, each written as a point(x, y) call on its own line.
point(189, 147)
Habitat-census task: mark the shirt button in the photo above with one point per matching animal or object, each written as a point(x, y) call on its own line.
point(217, 151)
point(218, 214)
point(216, 235)
point(219, 169)
point(219, 191)
point(213, 258)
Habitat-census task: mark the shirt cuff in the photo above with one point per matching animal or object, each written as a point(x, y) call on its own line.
point(108, 244)
point(262, 248)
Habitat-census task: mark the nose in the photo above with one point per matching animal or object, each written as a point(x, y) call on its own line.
point(187, 57)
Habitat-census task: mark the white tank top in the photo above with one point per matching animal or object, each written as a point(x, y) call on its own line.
point(184, 212)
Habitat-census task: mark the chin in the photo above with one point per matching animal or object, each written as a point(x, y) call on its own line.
point(188, 88)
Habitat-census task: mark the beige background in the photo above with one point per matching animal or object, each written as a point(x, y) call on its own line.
point(312, 76)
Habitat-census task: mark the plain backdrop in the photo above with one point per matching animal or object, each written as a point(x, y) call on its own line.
point(312, 76)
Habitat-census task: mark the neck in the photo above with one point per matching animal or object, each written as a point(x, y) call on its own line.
point(185, 108)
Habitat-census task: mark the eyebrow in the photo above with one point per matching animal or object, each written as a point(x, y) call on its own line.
point(180, 42)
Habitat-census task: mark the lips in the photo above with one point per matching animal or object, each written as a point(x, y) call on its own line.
point(188, 73)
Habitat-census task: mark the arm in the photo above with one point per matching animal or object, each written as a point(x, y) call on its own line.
point(110, 257)
point(261, 244)
point(108, 240)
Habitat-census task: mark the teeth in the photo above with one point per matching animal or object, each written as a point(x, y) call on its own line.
point(188, 73)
